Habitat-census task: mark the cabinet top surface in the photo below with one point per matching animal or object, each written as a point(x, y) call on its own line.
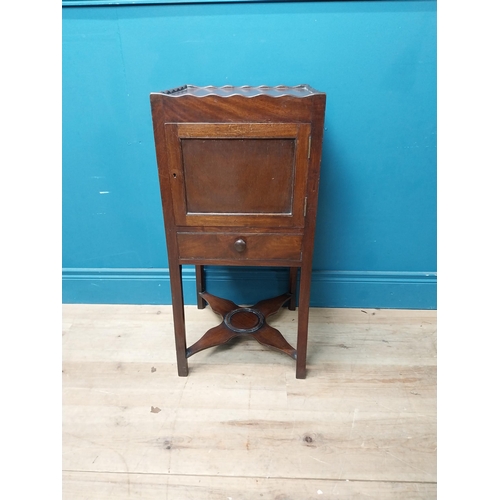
point(245, 91)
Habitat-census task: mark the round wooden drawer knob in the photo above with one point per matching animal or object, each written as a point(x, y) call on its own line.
point(240, 245)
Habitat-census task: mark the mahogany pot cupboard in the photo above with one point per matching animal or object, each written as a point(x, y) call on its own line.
point(239, 172)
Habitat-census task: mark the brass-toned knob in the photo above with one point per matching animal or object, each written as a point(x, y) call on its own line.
point(240, 245)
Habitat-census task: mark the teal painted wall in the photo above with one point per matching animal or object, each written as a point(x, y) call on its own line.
point(376, 60)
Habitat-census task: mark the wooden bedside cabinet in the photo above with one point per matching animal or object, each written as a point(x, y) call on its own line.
point(239, 172)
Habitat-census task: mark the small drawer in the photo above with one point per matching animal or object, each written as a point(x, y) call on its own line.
point(240, 246)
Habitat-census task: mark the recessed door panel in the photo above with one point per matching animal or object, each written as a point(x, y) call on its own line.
point(234, 176)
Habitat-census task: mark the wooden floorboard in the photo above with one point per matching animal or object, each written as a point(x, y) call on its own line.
point(361, 425)
point(114, 486)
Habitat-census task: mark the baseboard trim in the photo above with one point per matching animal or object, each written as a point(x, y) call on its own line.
point(369, 289)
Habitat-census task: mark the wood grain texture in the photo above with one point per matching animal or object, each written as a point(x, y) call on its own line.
point(363, 424)
point(112, 486)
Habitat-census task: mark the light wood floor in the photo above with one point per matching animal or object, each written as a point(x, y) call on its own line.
point(241, 426)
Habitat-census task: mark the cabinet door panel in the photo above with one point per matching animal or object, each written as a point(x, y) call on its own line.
point(238, 174)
